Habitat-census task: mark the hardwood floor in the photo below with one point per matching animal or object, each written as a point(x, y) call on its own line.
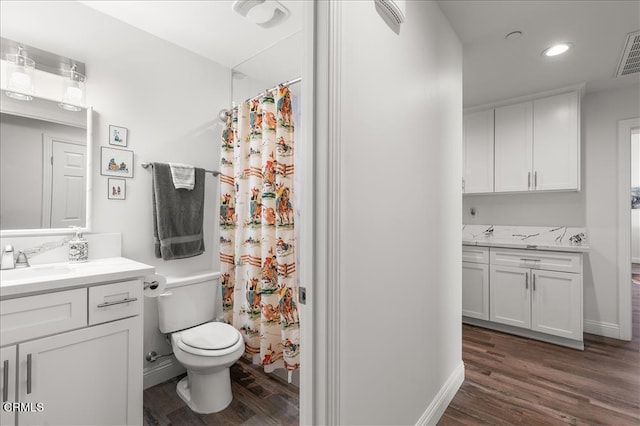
point(258, 399)
point(509, 380)
point(513, 380)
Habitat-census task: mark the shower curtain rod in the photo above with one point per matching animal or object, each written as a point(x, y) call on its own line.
point(287, 83)
point(147, 165)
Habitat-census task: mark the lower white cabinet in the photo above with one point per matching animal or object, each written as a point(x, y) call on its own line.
point(82, 377)
point(556, 305)
point(87, 373)
point(475, 290)
point(8, 383)
point(510, 296)
point(524, 291)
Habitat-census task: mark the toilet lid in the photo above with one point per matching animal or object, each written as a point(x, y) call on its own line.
point(210, 336)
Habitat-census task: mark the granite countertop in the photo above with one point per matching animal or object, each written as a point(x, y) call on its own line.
point(558, 238)
point(65, 275)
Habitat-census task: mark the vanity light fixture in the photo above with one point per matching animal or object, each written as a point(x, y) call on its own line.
point(20, 76)
point(73, 90)
point(557, 49)
point(265, 13)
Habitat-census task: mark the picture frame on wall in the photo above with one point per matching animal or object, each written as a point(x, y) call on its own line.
point(116, 189)
point(116, 162)
point(118, 136)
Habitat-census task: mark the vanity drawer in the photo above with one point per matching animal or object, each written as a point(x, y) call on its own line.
point(29, 317)
point(537, 259)
point(475, 254)
point(114, 301)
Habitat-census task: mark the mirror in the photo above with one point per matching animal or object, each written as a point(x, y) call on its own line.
point(45, 167)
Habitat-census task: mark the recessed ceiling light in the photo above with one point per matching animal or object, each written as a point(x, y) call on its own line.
point(513, 35)
point(557, 49)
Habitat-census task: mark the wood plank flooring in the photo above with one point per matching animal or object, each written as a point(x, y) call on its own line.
point(509, 380)
point(513, 380)
point(258, 399)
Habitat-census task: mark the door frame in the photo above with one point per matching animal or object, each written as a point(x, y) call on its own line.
point(47, 174)
point(625, 127)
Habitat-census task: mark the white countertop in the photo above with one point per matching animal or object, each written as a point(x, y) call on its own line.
point(552, 238)
point(65, 275)
point(522, 245)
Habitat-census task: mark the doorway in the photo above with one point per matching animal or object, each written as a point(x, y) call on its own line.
point(628, 229)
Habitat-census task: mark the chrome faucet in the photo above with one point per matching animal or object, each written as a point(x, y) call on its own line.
point(7, 261)
point(22, 261)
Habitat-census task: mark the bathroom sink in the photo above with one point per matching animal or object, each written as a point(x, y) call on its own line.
point(35, 272)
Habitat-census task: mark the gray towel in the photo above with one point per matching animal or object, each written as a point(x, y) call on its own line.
point(177, 215)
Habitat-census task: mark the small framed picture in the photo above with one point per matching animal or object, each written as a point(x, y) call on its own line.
point(118, 136)
point(117, 189)
point(116, 162)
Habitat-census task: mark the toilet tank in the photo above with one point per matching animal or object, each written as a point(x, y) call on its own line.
point(188, 301)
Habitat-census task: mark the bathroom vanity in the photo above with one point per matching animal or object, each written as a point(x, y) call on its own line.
point(71, 343)
point(530, 287)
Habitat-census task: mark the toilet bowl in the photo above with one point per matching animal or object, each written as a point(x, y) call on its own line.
point(207, 351)
point(204, 347)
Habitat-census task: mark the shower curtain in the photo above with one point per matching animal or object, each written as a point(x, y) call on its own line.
point(257, 242)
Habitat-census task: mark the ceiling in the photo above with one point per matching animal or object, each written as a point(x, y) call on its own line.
point(496, 69)
point(209, 28)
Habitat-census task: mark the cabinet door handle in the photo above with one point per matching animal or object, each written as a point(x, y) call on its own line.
point(535, 180)
point(526, 281)
point(533, 276)
point(529, 180)
point(463, 185)
point(5, 380)
point(29, 365)
point(127, 300)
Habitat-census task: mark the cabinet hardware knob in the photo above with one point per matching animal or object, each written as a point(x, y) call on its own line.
point(29, 365)
point(127, 300)
point(5, 380)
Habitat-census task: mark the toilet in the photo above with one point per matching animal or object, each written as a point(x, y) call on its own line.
point(186, 312)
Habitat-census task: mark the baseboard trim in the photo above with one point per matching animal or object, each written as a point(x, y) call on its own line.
point(602, 328)
point(161, 372)
point(444, 397)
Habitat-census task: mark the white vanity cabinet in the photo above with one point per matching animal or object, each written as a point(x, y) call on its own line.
point(77, 353)
point(475, 282)
point(7, 382)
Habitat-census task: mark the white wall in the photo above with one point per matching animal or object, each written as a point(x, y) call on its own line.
point(635, 182)
point(167, 97)
point(21, 151)
point(593, 207)
point(401, 132)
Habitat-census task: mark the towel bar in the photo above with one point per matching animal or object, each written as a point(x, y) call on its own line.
point(147, 165)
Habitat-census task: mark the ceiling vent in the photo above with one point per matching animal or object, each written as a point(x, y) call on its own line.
point(630, 62)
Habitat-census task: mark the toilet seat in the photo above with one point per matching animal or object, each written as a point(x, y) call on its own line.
point(209, 339)
point(210, 336)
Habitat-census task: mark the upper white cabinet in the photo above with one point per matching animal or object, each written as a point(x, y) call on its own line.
point(514, 147)
point(556, 146)
point(478, 152)
point(536, 146)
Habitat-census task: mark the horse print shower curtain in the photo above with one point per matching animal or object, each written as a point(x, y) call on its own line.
point(257, 243)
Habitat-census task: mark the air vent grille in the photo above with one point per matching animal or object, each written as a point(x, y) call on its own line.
point(630, 62)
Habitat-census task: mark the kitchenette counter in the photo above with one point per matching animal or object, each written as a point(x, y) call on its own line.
point(560, 238)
